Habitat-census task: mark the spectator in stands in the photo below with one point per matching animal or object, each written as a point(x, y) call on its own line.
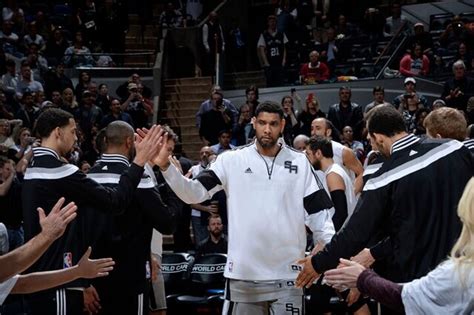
point(112, 24)
point(459, 89)
point(438, 104)
point(410, 89)
point(170, 17)
point(379, 99)
point(217, 119)
point(345, 28)
point(373, 24)
point(56, 99)
point(420, 117)
point(78, 54)
point(466, 56)
point(454, 34)
point(26, 82)
point(356, 146)
point(28, 112)
point(9, 40)
point(103, 98)
point(346, 113)
point(10, 78)
point(56, 46)
point(6, 141)
point(410, 106)
point(224, 142)
point(207, 105)
point(147, 99)
point(213, 42)
point(310, 113)
point(33, 37)
point(6, 109)
point(122, 90)
point(285, 17)
point(115, 113)
point(38, 64)
point(243, 132)
point(84, 166)
point(69, 101)
point(421, 37)
point(291, 129)
point(83, 84)
point(88, 115)
point(272, 52)
point(135, 106)
point(217, 241)
point(330, 49)
point(416, 63)
point(251, 94)
point(24, 143)
point(57, 79)
point(314, 71)
point(396, 22)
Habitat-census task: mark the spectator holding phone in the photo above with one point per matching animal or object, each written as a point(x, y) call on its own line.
point(23, 145)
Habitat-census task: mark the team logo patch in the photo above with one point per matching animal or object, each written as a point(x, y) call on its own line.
point(291, 168)
point(67, 260)
point(295, 267)
point(147, 270)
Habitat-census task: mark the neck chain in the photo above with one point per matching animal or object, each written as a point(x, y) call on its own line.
point(269, 168)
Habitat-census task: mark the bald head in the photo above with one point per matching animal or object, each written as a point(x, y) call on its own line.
point(117, 133)
point(321, 127)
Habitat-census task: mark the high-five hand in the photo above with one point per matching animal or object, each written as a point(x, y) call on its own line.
point(148, 144)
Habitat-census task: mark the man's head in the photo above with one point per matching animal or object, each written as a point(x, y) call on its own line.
point(271, 22)
point(204, 154)
point(115, 108)
point(410, 85)
point(252, 93)
point(215, 226)
point(224, 138)
point(172, 138)
point(438, 104)
point(300, 142)
point(27, 99)
point(56, 97)
point(58, 128)
point(119, 138)
point(25, 71)
point(419, 28)
point(379, 93)
point(6, 167)
point(318, 149)
point(446, 122)
point(345, 94)
point(217, 100)
point(245, 112)
point(87, 98)
point(384, 123)
point(313, 57)
point(459, 69)
point(321, 127)
point(4, 127)
point(268, 123)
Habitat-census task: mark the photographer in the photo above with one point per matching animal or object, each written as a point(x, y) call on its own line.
point(23, 144)
point(454, 34)
point(217, 119)
point(134, 105)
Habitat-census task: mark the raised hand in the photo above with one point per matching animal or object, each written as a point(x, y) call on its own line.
point(147, 144)
point(54, 225)
point(345, 276)
point(93, 268)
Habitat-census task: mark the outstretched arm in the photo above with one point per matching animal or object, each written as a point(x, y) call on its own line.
point(86, 268)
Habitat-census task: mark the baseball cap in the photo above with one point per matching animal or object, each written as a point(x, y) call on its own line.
point(86, 92)
point(408, 80)
point(419, 24)
point(132, 86)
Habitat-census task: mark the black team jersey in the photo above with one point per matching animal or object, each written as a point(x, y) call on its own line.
point(125, 237)
point(416, 192)
point(48, 178)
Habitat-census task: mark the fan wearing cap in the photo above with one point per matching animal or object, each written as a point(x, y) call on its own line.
point(134, 105)
point(410, 89)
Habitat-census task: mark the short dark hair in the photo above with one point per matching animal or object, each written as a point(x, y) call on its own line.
point(117, 132)
point(321, 143)
point(252, 88)
point(224, 131)
point(386, 120)
point(378, 88)
point(51, 119)
point(269, 107)
point(171, 134)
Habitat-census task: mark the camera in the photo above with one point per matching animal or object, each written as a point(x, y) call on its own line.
point(30, 140)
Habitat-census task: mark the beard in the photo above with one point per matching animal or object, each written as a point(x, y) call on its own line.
point(267, 143)
point(317, 165)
